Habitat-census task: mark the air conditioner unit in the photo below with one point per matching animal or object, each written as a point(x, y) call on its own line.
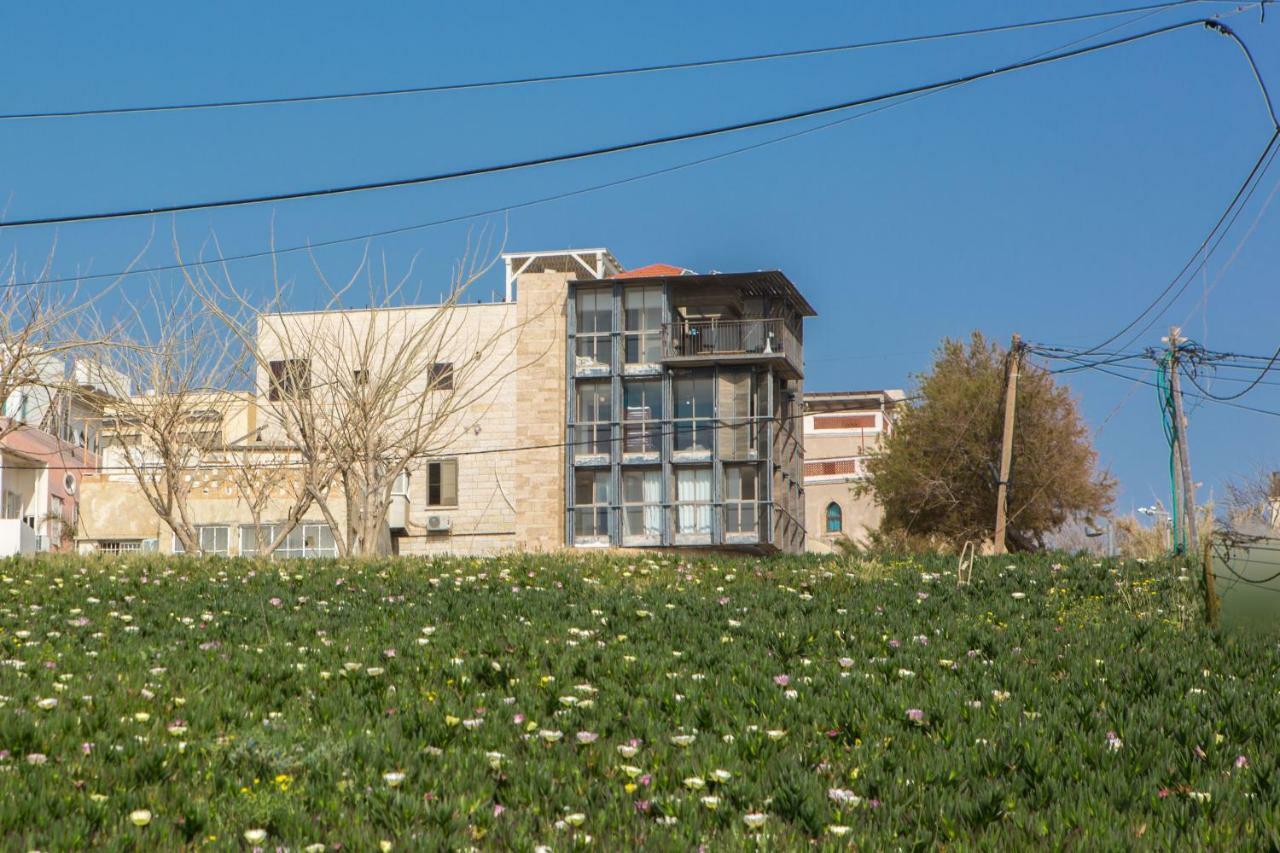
point(439, 523)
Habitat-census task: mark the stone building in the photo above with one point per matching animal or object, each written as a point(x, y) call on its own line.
point(841, 428)
point(650, 408)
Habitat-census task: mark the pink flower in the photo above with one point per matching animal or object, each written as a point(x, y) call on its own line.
point(86, 747)
point(646, 780)
point(1199, 753)
point(517, 719)
point(782, 680)
point(1242, 763)
point(275, 602)
point(915, 715)
point(498, 809)
point(388, 653)
point(893, 644)
point(1164, 792)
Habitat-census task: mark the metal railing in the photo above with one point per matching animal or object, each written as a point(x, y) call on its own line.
point(761, 336)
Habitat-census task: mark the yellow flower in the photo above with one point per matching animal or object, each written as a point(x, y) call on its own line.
point(141, 817)
point(451, 720)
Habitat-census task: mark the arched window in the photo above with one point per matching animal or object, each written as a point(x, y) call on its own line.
point(835, 518)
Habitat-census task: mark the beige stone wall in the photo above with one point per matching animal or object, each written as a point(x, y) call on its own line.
point(861, 514)
point(540, 405)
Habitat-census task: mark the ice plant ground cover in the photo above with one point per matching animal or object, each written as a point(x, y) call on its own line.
point(627, 702)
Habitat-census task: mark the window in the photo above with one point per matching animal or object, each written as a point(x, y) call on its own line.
point(592, 495)
point(119, 546)
point(693, 502)
point(738, 399)
point(442, 483)
point(844, 421)
point(593, 427)
point(401, 484)
point(695, 409)
point(835, 518)
point(308, 541)
point(290, 377)
point(641, 507)
point(642, 416)
point(642, 310)
point(256, 538)
point(593, 336)
point(740, 496)
point(360, 378)
point(12, 505)
point(213, 540)
point(440, 376)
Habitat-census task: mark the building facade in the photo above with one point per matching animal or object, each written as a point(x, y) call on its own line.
point(841, 429)
point(655, 408)
point(50, 440)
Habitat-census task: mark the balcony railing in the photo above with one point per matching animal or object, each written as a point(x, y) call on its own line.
point(757, 340)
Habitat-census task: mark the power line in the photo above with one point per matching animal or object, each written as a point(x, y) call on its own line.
point(1245, 187)
point(348, 189)
point(595, 75)
point(310, 246)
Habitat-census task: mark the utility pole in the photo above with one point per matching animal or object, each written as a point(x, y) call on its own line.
point(1180, 432)
point(1006, 442)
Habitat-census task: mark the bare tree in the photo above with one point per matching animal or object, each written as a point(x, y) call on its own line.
point(42, 328)
point(364, 394)
point(170, 369)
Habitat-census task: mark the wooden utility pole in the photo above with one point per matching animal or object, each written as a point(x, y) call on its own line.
point(1210, 589)
point(1006, 442)
point(1180, 433)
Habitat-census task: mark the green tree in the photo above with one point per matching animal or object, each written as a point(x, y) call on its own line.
point(937, 472)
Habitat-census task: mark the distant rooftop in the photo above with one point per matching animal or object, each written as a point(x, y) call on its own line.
point(654, 270)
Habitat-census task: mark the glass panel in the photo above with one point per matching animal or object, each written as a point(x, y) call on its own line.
point(643, 308)
point(693, 497)
point(642, 513)
point(642, 413)
point(594, 353)
point(594, 310)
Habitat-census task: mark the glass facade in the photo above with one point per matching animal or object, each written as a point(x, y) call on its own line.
point(660, 455)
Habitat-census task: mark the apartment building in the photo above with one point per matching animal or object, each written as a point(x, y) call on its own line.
point(841, 429)
point(589, 407)
point(51, 439)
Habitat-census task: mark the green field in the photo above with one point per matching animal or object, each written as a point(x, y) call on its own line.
point(513, 703)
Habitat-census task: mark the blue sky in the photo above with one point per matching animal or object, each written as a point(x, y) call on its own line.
point(1055, 202)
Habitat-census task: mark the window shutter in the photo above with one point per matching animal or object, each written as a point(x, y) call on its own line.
point(449, 482)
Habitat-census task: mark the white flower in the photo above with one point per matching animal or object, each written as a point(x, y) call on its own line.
point(710, 802)
point(683, 740)
point(754, 820)
point(776, 734)
point(626, 750)
point(141, 817)
point(495, 759)
point(837, 829)
point(575, 819)
point(695, 783)
point(255, 836)
point(721, 776)
point(393, 779)
point(47, 704)
point(843, 796)
point(1018, 596)
point(550, 735)
point(1000, 695)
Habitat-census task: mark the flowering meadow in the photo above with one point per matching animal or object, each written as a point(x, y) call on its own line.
point(551, 702)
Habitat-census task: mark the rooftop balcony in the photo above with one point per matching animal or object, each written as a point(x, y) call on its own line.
point(694, 343)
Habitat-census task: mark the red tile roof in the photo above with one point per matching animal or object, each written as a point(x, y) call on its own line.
point(653, 271)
